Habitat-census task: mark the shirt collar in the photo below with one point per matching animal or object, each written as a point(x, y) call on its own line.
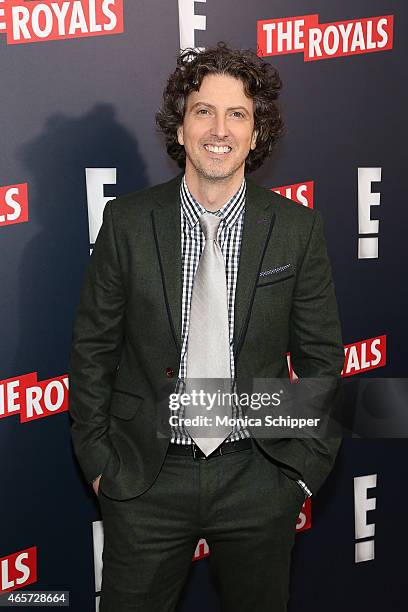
point(231, 210)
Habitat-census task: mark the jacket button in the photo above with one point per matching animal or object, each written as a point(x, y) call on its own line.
point(170, 372)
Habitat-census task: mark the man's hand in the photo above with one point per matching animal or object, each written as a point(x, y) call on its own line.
point(95, 484)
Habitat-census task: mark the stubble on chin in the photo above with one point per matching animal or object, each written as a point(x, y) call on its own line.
point(213, 171)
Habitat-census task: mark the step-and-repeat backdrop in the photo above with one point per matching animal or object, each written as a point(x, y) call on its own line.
point(80, 83)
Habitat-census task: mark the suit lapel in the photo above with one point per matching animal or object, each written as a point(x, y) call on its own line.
point(258, 224)
point(167, 234)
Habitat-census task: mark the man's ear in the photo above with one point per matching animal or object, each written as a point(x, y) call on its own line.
point(253, 140)
point(180, 135)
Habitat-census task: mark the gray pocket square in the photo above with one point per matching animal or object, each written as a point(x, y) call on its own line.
point(275, 270)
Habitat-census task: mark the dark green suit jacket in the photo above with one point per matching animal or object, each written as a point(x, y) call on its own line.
point(127, 334)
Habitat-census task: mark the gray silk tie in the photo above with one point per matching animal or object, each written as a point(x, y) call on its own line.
point(208, 351)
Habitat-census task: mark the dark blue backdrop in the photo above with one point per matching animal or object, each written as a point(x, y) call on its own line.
point(69, 105)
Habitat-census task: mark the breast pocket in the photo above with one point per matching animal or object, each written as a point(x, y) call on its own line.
point(274, 275)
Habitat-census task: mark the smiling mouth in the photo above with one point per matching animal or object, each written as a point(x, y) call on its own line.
point(218, 150)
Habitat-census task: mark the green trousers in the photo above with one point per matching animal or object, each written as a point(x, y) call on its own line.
point(241, 503)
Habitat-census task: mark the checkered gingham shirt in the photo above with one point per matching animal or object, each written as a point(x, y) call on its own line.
point(192, 244)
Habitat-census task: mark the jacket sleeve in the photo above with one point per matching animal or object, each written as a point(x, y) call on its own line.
point(316, 347)
point(95, 351)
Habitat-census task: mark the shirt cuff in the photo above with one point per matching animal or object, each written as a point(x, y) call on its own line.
point(306, 490)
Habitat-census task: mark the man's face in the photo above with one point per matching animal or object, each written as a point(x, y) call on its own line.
point(218, 115)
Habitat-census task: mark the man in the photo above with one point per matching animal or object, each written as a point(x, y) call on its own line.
point(207, 275)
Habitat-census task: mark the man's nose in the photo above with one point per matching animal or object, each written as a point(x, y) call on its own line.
point(220, 127)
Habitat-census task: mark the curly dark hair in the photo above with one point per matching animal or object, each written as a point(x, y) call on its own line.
point(261, 82)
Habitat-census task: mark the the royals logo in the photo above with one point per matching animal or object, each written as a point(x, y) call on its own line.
point(28, 22)
point(324, 40)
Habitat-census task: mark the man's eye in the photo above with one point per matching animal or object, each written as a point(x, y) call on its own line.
point(238, 113)
point(202, 110)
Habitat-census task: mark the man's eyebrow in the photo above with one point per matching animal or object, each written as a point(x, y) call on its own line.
point(212, 106)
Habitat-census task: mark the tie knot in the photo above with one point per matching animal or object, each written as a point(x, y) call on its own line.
point(210, 224)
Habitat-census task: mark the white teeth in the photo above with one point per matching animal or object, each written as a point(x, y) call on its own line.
point(215, 149)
